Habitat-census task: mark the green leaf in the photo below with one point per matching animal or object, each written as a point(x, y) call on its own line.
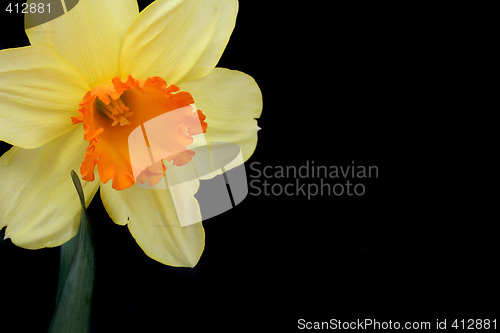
point(76, 277)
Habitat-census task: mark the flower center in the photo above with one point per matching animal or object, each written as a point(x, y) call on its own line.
point(136, 105)
point(116, 111)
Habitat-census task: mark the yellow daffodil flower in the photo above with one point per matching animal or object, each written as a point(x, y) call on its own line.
point(69, 99)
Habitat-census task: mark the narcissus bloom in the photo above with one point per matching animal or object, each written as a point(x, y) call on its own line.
point(69, 100)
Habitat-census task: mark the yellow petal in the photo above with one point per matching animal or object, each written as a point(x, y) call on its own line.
point(178, 40)
point(39, 92)
point(38, 201)
point(152, 219)
point(89, 36)
point(232, 102)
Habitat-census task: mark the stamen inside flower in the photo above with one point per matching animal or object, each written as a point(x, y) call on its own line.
point(116, 111)
point(131, 104)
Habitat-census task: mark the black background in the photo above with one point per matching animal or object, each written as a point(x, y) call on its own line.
point(376, 84)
